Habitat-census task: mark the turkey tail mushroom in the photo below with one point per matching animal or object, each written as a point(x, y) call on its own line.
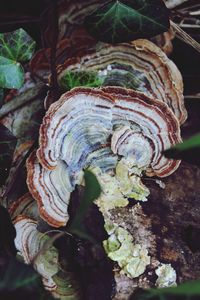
point(95, 128)
point(51, 189)
point(139, 65)
point(29, 242)
point(31, 246)
point(26, 206)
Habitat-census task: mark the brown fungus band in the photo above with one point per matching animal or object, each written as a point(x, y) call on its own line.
point(96, 128)
point(25, 206)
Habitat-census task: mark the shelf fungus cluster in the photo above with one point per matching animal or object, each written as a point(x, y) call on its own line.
point(31, 246)
point(117, 133)
point(34, 244)
point(123, 107)
point(139, 65)
point(36, 248)
point(96, 128)
point(29, 242)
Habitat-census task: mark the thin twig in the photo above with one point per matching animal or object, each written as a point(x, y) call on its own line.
point(191, 19)
point(182, 35)
point(195, 13)
point(190, 8)
point(193, 26)
point(189, 97)
point(19, 22)
point(22, 99)
point(174, 3)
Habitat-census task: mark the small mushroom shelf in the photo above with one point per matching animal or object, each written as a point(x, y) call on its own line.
point(139, 65)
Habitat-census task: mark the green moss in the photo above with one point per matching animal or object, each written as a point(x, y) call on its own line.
point(166, 276)
point(130, 184)
point(116, 189)
point(111, 196)
point(131, 258)
point(47, 261)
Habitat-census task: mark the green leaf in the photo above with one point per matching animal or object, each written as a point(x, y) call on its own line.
point(7, 147)
point(188, 150)
point(18, 275)
point(17, 45)
point(20, 281)
point(11, 74)
point(126, 20)
point(80, 78)
point(184, 291)
point(92, 191)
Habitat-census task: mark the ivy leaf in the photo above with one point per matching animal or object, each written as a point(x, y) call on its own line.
point(188, 150)
point(17, 45)
point(81, 78)
point(11, 74)
point(126, 20)
point(92, 191)
point(7, 147)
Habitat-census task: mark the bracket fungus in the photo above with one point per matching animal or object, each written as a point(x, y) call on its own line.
point(51, 189)
point(71, 16)
point(139, 65)
point(29, 242)
point(36, 249)
point(96, 128)
point(40, 64)
point(25, 206)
